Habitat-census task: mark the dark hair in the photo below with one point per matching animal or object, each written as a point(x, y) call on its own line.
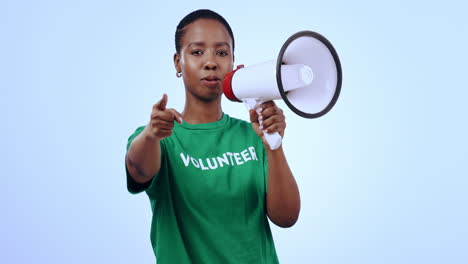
point(195, 15)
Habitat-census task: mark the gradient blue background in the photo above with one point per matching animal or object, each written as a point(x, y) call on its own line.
point(383, 176)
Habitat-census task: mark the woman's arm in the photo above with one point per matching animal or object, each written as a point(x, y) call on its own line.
point(143, 158)
point(283, 199)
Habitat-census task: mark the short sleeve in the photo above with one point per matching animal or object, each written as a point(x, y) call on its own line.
point(133, 186)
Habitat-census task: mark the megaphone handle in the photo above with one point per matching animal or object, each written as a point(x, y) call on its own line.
point(274, 139)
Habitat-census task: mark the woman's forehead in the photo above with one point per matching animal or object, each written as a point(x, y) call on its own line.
point(206, 31)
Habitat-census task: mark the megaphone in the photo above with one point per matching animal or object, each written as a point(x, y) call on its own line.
point(306, 75)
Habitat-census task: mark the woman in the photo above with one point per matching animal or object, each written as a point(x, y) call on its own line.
point(212, 180)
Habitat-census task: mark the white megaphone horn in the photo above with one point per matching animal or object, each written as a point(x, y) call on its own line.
point(306, 75)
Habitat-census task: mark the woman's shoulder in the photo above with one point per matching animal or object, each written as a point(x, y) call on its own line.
point(242, 127)
point(236, 123)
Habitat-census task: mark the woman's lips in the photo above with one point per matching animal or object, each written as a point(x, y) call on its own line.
point(211, 82)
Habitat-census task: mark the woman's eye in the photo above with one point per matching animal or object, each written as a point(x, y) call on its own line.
point(197, 52)
point(222, 53)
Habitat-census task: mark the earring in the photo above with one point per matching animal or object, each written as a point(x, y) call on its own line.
point(179, 74)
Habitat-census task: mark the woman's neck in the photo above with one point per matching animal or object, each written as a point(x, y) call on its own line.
point(197, 111)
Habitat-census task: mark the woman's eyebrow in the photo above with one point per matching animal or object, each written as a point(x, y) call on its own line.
point(202, 43)
point(198, 43)
point(217, 44)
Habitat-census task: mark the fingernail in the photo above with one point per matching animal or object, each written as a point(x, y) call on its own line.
point(260, 110)
point(261, 127)
point(180, 119)
point(260, 118)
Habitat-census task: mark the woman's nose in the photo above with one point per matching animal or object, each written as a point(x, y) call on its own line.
point(210, 63)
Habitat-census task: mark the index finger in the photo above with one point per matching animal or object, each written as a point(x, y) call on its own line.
point(267, 104)
point(161, 105)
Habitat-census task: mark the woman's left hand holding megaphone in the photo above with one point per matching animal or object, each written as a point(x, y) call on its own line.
point(272, 119)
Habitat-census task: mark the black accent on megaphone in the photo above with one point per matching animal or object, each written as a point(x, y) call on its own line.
point(279, 62)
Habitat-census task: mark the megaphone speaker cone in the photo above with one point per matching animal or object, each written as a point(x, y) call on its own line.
point(311, 49)
point(306, 75)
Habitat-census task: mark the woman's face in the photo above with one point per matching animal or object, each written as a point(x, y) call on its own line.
point(205, 57)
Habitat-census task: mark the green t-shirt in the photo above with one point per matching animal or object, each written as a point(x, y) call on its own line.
point(208, 199)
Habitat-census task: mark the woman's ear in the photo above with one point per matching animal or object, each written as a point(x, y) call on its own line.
point(177, 62)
